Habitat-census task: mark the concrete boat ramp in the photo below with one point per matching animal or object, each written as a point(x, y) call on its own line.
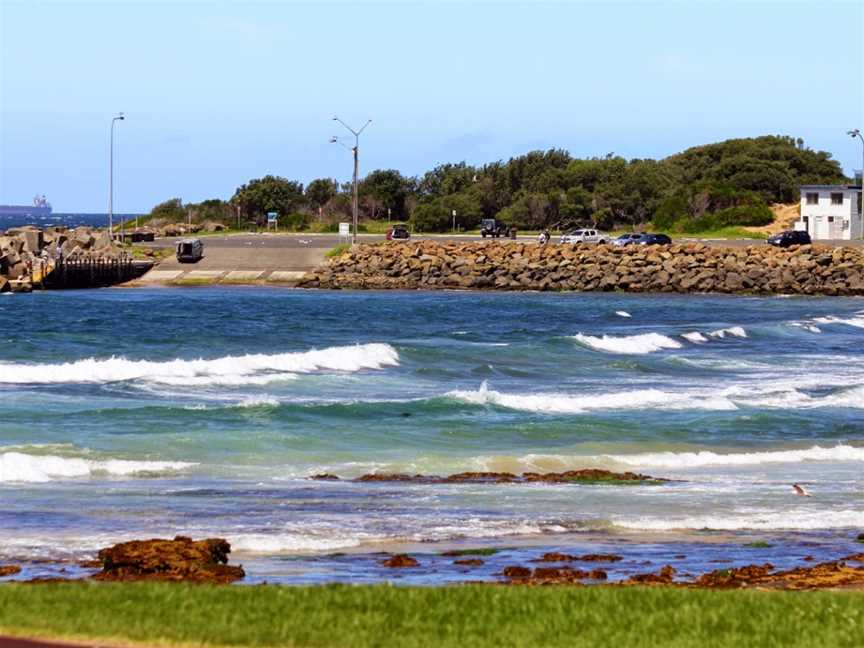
point(267, 259)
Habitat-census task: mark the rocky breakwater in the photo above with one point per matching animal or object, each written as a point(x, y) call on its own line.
point(29, 255)
point(683, 268)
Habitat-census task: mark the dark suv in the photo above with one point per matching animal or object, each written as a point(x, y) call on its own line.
point(790, 237)
point(398, 231)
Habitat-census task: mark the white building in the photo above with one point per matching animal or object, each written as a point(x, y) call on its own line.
point(831, 212)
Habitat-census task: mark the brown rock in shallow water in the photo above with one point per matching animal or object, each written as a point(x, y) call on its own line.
point(554, 556)
point(8, 570)
point(325, 477)
point(735, 577)
point(599, 558)
point(663, 577)
point(588, 475)
point(400, 560)
point(180, 559)
point(516, 572)
point(470, 562)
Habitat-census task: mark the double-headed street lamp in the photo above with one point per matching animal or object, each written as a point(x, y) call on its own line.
point(855, 132)
point(356, 151)
point(119, 117)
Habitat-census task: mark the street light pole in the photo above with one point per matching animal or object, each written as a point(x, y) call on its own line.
point(856, 132)
point(119, 117)
point(355, 205)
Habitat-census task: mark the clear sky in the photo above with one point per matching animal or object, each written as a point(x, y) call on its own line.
point(218, 93)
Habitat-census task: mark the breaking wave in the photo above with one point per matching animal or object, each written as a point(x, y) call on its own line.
point(734, 331)
point(254, 369)
point(20, 467)
point(553, 403)
point(628, 344)
point(708, 458)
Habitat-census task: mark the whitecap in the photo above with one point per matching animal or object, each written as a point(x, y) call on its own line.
point(694, 336)
point(20, 467)
point(735, 331)
point(628, 344)
point(622, 313)
point(673, 460)
point(556, 403)
point(230, 370)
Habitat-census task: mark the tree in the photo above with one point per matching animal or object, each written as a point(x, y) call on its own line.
point(385, 189)
point(430, 216)
point(268, 194)
point(321, 191)
point(170, 210)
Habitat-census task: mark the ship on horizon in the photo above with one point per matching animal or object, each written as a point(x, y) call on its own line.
point(40, 207)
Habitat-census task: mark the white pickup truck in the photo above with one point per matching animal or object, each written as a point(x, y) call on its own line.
point(585, 236)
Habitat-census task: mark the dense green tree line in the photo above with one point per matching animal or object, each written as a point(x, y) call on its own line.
point(727, 183)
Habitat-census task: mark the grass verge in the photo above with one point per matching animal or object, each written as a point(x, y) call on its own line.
point(337, 250)
point(468, 616)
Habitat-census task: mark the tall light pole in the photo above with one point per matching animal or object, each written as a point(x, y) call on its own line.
point(855, 132)
point(356, 151)
point(119, 117)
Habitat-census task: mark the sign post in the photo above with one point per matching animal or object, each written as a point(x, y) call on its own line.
point(344, 231)
point(273, 219)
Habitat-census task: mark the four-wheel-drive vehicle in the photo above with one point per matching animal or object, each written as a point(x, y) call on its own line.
point(398, 231)
point(493, 228)
point(627, 239)
point(790, 237)
point(585, 236)
point(190, 250)
point(653, 239)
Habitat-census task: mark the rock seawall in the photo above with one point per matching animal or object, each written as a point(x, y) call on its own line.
point(682, 268)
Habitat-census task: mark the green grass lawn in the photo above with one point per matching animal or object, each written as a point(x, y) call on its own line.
point(461, 616)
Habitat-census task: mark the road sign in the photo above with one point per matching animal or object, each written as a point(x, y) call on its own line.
point(344, 230)
point(272, 217)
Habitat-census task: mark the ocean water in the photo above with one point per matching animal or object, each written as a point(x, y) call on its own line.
point(64, 219)
point(154, 412)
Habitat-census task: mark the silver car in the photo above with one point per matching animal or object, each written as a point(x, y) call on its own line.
point(584, 236)
point(626, 239)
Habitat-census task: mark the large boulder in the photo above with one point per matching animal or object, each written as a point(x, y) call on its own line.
point(180, 559)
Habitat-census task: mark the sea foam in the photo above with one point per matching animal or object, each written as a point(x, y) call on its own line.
point(672, 460)
point(763, 521)
point(230, 370)
point(556, 403)
point(20, 467)
point(628, 344)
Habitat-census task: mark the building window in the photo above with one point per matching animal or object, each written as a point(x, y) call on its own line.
point(836, 198)
point(830, 219)
point(812, 198)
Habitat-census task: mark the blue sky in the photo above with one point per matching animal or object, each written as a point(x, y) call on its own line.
point(218, 93)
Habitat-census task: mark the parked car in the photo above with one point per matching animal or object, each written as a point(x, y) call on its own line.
point(790, 237)
point(653, 239)
point(585, 236)
point(494, 228)
point(190, 250)
point(627, 239)
point(398, 231)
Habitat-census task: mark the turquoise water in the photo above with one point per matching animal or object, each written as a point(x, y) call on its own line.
point(140, 413)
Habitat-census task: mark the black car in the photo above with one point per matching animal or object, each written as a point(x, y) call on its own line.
point(790, 237)
point(398, 231)
point(653, 239)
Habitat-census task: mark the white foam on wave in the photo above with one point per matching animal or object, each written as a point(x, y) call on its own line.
point(705, 458)
point(763, 521)
point(228, 370)
point(628, 344)
point(21, 467)
point(735, 331)
point(857, 322)
point(258, 401)
point(694, 336)
point(555, 403)
point(622, 313)
point(812, 328)
point(289, 543)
